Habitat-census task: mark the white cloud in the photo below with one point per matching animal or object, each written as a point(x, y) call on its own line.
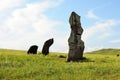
point(115, 41)
point(93, 48)
point(99, 31)
point(104, 35)
point(103, 27)
point(90, 14)
point(6, 8)
point(30, 16)
point(8, 4)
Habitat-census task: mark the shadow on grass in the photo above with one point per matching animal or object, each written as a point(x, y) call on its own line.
point(84, 59)
point(61, 56)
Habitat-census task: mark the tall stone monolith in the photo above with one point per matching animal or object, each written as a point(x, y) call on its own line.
point(46, 46)
point(76, 45)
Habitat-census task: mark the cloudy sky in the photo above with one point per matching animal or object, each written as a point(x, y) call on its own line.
point(27, 22)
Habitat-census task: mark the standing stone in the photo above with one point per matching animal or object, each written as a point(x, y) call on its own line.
point(76, 45)
point(47, 44)
point(32, 49)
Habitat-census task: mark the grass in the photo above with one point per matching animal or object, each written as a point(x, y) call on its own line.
point(98, 65)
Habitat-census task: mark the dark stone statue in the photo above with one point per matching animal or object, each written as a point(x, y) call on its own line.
point(76, 45)
point(32, 49)
point(47, 44)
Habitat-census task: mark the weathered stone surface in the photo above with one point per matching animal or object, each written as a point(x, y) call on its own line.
point(32, 49)
point(47, 44)
point(76, 45)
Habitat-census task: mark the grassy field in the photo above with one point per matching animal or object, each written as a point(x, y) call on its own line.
point(98, 65)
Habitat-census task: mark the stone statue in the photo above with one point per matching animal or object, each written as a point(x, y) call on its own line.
point(47, 44)
point(76, 45)
point(32, 49)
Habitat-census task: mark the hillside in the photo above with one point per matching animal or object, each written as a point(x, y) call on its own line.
point(17, 65)
point(12, 52)
point(102, 51)
point(106, 51)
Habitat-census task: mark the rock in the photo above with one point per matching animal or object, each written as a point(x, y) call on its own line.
point(32, 49)
point(76, 45)
point(47, 44)
point(117, 55)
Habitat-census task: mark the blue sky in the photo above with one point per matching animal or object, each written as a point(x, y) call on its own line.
point(27, 22)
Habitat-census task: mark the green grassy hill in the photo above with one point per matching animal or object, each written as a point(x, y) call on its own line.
point(107, 52)
point(98, 65)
